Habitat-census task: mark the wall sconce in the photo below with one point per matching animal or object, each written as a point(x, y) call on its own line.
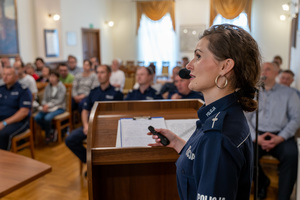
point(290, 9)
point(282, 17)
point(110, 23)
point(55, 17)
point(285, 7)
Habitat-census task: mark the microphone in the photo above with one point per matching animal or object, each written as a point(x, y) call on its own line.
point(184, 73)
point(261, 82)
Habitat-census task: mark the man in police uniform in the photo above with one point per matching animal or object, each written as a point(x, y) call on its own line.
point(182, 90)
point(105, 92)
point(15, 105)
point(144, 77)
point(279, 118)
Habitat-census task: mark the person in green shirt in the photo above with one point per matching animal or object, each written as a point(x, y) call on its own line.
point(64, 75)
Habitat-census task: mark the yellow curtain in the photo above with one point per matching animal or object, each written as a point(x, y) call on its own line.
point(155, 10)
point(230, 9)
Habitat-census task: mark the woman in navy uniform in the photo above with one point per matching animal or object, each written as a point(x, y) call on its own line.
point(217, 161)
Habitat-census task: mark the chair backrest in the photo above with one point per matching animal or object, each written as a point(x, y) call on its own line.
point(68, 96)
point(141, 63)
point(129, 81)
point(129, 64)
point(165, 70)
point(165, 63)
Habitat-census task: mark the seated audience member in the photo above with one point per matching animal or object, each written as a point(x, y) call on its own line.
point(117, 78)
point(5, 62)
point(18, 58)
point(29, 69)
point(64, 75)
point(15, 105)
point(170, 87)
point(39, 64)
point(72, 65)
point(277, 59)
point(25, 79)
point(183, 91)
point(53, 104)
point(154, 84)
point(95, 63)
point(104, 92)
point(287, 78)
point(279, 118)
point(185, 61)
point(83, 83)
point(1, 71)
point(144, 77)
point(45, 75)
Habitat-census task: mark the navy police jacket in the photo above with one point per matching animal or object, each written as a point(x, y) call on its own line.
point(12, 99)
point(149, 94)
point(217, 161)
point(97, 94)
point(191, 95)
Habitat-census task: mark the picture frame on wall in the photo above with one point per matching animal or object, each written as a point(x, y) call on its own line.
point(51, 42)
point(9, 44)
point(189, 36)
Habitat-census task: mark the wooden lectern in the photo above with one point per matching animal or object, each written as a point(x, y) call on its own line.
point(135, 173)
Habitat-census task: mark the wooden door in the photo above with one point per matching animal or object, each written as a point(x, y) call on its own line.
point(91, 43)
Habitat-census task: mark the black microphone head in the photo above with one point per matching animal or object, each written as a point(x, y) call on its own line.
point(263, 78)
point(184, 73)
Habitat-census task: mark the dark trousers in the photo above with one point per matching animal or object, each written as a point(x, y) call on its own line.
point(74, 142)
point(287, 154)
point(78, 106)
point(44, 119)
point(11, 130)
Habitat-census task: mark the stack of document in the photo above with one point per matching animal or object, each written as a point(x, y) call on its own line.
point(132, 132)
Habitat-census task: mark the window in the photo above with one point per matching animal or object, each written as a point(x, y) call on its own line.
point(240, 20)
point(156, 42)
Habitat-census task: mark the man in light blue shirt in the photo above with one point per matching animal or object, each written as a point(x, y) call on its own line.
point(279, 119)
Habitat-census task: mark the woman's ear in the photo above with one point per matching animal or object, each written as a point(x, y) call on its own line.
point(227, 66)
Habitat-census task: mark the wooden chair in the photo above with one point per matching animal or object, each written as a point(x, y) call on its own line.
point(129, 64)
point(26, 136)
point(129, 83)
point(84, 142)
point(165, 69)
point(64, 120)
point(141, 63)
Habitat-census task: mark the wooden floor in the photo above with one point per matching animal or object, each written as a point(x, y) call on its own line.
point(64, 182)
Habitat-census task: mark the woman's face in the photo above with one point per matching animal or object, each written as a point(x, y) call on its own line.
point(45, 72)
point(53, 79)
point(86, 66)
point(204, 68)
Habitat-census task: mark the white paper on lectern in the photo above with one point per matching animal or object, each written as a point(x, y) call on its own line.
point(184, 128)
point(133, 132)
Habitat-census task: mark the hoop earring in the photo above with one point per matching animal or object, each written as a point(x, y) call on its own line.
point(225, 84)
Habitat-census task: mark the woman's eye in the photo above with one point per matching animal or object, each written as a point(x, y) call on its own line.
point(198, 56)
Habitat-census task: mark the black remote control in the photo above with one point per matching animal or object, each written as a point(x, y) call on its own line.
point(162, 138)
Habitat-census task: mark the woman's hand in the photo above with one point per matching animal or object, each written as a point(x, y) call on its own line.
point(175, 142)
point(45, 108)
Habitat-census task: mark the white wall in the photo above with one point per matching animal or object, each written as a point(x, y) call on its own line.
point(77, 14)
point(26, 30)
point(42, 21)
point(271, 34)
point(124, 32)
